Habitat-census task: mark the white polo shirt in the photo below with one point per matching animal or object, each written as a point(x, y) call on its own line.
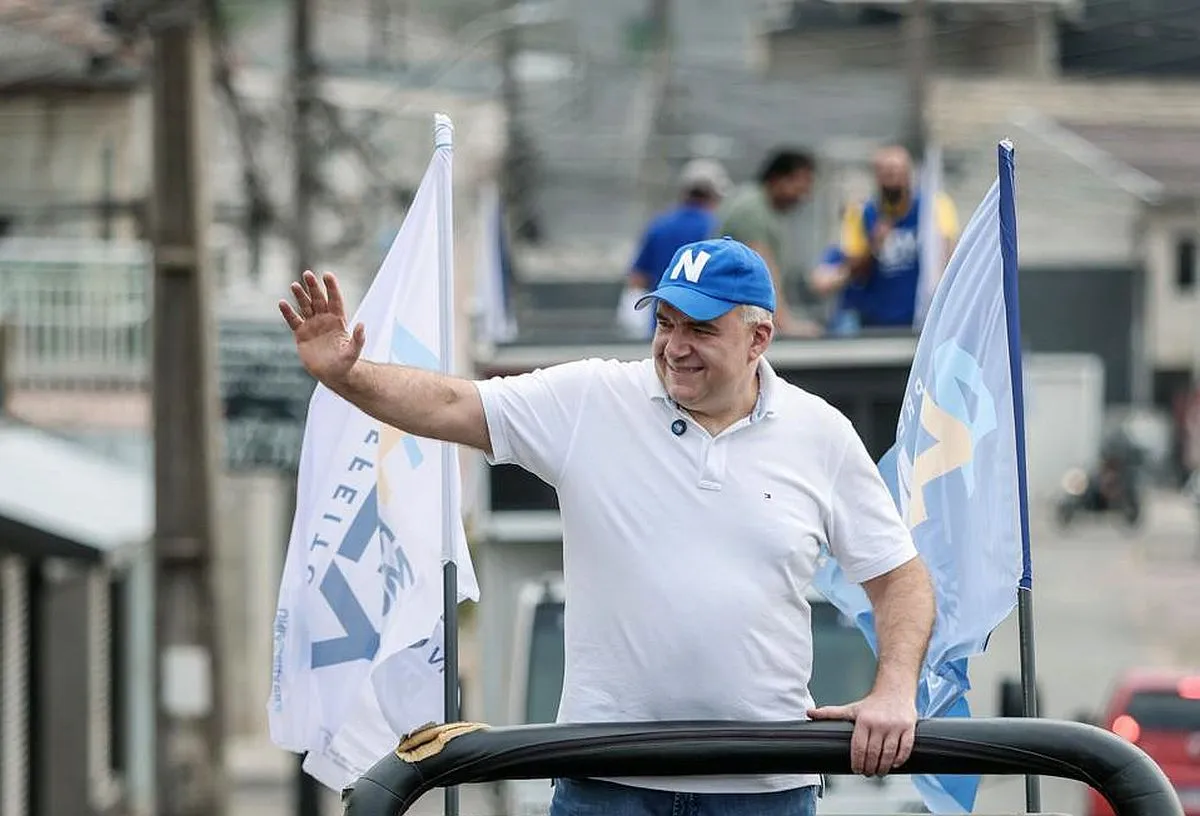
point(686, 557)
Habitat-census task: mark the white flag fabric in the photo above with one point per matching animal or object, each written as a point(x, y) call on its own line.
point(496, 321)
point(929, 234)
point(358, 642)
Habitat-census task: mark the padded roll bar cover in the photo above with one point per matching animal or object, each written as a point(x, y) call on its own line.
point(1122, 773)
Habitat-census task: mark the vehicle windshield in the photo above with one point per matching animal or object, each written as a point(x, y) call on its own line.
point(546, 663)
point(843, 663)
point(1164, 711)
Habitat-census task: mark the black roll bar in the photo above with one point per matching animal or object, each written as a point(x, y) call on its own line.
point(462, 753)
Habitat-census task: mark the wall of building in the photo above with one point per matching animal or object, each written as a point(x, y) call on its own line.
point(1173, 324)
point(70, 150)
point(967, 42)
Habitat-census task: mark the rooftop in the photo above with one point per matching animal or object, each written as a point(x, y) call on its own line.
point(47, 45)
point(60, 498)
point(1166, 154)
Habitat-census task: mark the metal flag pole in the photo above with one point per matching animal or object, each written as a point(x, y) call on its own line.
point(1012, 311)
point(443, 139)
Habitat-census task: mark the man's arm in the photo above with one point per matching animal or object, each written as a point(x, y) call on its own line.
point(423, 403)
point(772, 266)
point(641, 276)
point(831, 275)
point(874, 548)
point(947, 217)
point(904, 608)
point(856, 244)
point(786, 321)
point(885, 720)
point(419, 402)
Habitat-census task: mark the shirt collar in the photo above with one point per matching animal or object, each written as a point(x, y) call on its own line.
point(768, 389)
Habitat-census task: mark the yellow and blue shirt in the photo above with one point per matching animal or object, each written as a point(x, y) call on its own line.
point(888, 296)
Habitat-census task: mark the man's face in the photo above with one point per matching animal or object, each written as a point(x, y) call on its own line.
point(703, 365)
point(893, 174)
point(789, 191)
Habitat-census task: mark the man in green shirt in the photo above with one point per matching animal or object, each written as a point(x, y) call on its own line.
point(755, 216)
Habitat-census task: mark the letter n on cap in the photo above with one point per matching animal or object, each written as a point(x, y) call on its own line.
point(689, 265)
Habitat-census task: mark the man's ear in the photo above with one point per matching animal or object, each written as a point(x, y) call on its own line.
point(761, 338)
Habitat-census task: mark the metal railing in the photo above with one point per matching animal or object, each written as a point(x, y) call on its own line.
point(448, 756)
point(77, 311)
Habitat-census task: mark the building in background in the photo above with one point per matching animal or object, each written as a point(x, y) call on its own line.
point(75, 170)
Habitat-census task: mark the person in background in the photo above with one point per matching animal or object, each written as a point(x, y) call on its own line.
point(830, 281)
point(880, 239)
point(703, 184)
point(755, 216)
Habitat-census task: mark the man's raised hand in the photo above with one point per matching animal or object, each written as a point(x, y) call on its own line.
point(318, 323)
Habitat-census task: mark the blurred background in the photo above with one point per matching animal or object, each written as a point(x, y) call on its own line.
point(166, 169)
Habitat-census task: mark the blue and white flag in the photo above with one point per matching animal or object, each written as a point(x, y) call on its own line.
point(359, 654)
point(957, 469)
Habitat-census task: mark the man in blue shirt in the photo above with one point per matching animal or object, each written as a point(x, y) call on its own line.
point(703, 185)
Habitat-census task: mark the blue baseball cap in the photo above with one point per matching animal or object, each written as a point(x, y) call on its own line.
point(706, 279)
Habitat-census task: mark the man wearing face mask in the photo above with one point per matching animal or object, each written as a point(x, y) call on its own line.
point(880, 240)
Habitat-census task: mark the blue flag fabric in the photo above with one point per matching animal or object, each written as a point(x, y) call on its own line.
point(957, 469)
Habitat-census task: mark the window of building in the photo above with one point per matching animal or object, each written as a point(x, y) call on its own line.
point(1185, 264)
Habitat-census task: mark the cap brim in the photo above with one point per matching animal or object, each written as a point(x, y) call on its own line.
point(694, 304)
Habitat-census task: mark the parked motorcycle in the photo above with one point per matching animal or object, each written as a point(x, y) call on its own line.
point(1110, 488)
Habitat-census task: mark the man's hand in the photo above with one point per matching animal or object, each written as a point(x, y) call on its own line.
point(884, 727)
point(327, 350)
point(411, 399)
point(879, 234)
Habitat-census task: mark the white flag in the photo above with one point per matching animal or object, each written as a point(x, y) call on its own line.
point(496, 322)
point(358, 653)
point(929, 234)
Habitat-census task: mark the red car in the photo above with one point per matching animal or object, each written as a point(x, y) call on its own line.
point(1159, 711)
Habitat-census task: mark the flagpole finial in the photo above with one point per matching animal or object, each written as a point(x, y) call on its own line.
point(443, 131)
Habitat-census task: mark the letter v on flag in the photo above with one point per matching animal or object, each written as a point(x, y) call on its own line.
point(957, 469)
point(358, 635)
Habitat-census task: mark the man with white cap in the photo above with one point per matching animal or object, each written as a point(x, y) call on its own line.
point(697, 490)
point(703, 185)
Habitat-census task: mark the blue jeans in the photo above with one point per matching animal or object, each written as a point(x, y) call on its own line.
point(590, 797)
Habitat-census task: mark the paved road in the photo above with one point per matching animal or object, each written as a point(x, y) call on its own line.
point(1104, 601)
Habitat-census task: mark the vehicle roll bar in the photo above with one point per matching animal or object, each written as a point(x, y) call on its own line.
point(465, 753)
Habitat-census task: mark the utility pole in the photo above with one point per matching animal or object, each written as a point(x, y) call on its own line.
point(919, 42)
point(517, 174)
point(654, 173)
point(304, 101)
point(379, 33)
point(188, 712)
point(304, 78)
point(5, 361)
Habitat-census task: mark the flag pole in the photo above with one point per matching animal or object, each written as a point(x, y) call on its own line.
point(443, 137)
point(1012, 312)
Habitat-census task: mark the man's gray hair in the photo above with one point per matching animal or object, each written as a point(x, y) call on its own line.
point(753, 315)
